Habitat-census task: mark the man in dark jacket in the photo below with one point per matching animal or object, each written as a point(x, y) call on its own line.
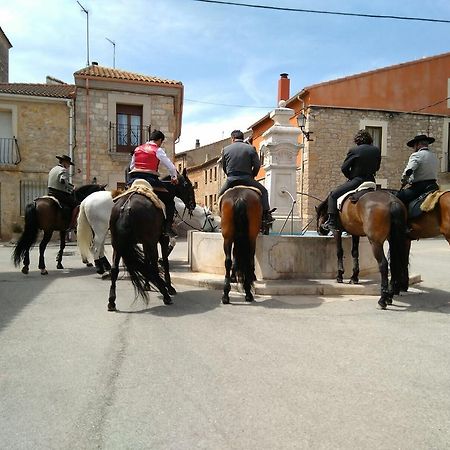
point(361, 164)
point(241, 164)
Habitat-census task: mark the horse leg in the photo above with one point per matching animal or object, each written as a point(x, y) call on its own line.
point(114, 275)
point(228, 263)
point(164, 241)
point(340, 257)
point(151, 252)
point(42, 247)
point(26, 262)
point(354, 279)
point(378, 252)
point(62, 245)
point(100, 261)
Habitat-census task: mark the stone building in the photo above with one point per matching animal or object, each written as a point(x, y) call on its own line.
point(97, 121)
point(394, 104)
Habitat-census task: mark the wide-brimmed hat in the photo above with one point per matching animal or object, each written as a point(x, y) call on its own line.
point(420, 138)
point(65, 158)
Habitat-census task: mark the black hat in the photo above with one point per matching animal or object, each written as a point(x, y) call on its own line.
point(65, 158)
point(420, 138)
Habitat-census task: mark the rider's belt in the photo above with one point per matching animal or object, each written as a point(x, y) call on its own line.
point(238, 173)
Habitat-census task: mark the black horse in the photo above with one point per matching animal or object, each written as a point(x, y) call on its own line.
point(45, 214)
point(136, 219)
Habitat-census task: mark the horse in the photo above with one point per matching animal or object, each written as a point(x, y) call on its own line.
point(95, 212)
point(433, 222)
point(380, 216)
point(136, 219)
point(241, 213)
point(200, 219)
point(47, 215)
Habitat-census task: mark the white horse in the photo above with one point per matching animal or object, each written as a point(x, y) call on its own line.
point(93, 226)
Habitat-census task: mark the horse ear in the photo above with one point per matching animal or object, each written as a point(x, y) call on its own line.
point(104, 185)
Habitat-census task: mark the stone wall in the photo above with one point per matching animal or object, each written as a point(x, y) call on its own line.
point(106, 165)
point(333, 131)
point(42, 133)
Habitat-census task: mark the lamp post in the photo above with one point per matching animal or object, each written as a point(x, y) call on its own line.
point(301, 121)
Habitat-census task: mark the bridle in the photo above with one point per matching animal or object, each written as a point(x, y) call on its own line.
point(207, 220)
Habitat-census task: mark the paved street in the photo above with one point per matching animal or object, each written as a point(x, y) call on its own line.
point(282, 373)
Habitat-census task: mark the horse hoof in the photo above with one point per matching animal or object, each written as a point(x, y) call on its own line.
point(25, 270)
point(44, 272)
point(111, 307)
point(59, 266)
point(171, 290)
point(249, 299)
point(382, 304)
point(225, 300)
point(233, 279)
point(100, 271)
point(353, 281)
point(167, 301)
point(339, 280)
point(89, 264)
point(106, 276)
point(389, 301)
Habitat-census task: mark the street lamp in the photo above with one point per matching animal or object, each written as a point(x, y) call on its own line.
point(301, 121)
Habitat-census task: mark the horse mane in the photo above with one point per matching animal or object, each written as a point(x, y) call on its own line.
point(116, 192)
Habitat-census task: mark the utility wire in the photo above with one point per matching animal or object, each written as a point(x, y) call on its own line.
point(429, 106)
point(314, 11)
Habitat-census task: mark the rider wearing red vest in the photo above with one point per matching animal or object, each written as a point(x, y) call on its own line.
point(144, 165)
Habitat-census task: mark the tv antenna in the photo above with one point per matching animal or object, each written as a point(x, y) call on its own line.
point(87, 28)
point(114, 51)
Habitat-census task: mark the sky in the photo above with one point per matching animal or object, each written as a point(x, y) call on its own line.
point(229, 58)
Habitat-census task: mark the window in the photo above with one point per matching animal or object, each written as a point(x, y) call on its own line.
point(210, 175)
point(206, 200)
point(210, 201)
point(215, 173)
point(206, 177)
point(9, 150)
point(129, 127)
point(30, 190)
point(378, 131)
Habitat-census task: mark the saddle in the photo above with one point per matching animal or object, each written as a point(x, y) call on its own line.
point(73, 212)
point(424, 203)
point(144, 188)
point(240, 186)
point(356, 194)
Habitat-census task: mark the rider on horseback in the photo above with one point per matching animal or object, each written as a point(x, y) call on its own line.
point(60, 187)
point(361, 164)
point(144, 165)
point(241, 164)
point(421, 170)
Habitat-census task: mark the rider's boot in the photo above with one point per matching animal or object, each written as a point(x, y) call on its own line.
point(331, 223)
point(267, 221)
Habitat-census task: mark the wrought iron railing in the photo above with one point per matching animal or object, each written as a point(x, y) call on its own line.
point(9, 151)
point(125, 138)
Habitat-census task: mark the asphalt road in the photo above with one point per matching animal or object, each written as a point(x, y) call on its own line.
point(282, 373)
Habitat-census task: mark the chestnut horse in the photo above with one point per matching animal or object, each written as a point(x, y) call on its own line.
point(45, 214)
point(380, 216)
point(241, 213)
point(434, 222)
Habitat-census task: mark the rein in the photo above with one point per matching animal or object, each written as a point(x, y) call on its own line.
point(207, 220)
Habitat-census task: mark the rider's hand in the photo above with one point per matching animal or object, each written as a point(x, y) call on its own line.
point(174, 180)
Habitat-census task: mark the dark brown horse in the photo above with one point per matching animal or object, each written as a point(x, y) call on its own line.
point(241, 213)
point(45, 214)
point(380, 216)
point(135, 219)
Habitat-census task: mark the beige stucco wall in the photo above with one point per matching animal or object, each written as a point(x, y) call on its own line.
point(333, 131)
point(41, 132)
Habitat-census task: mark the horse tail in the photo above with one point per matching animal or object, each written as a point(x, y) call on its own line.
point(243, 253)
point(29, 235)
point(398, 249)
point(125, 245)
point(85, 234)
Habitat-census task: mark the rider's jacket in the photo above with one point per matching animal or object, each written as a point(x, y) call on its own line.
point(58, 178)
point(145, 159)
point(423, 165)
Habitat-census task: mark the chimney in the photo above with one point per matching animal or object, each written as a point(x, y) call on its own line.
point(94, 63)
point(283, 87)
point(197, 143)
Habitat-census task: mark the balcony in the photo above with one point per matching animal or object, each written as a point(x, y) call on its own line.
point(123, 139)
point(9, 151)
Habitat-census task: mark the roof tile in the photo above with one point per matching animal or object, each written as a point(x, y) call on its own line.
point(39, 90)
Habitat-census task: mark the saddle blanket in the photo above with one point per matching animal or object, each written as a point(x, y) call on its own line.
point(362, 187)
point(219, 200)
point(51, 197)
point(424, 203)
point(143, 187)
